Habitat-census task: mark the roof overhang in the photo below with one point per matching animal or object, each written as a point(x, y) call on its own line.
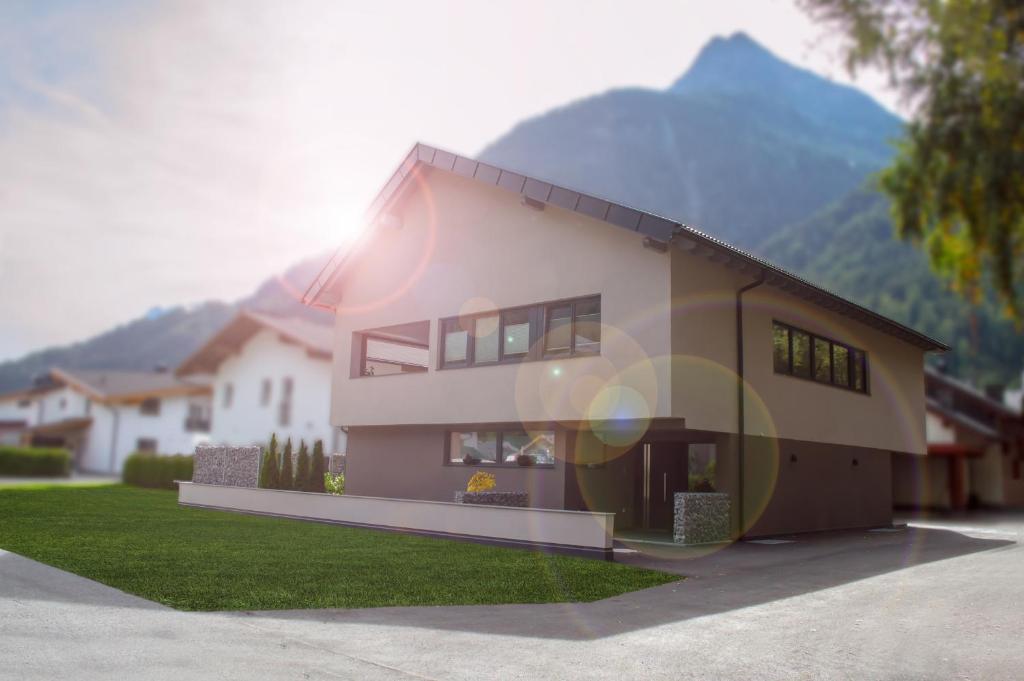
point(654, 227)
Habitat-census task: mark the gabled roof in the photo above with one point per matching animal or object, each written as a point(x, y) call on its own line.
point(316, 338)
point(654, 227)
point(970, 392)
point(114, 385)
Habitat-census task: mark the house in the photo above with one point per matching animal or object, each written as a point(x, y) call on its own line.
point(17, 412)
point(974, 455)
point(102, 416)
point(600, 357)
point(269, 374)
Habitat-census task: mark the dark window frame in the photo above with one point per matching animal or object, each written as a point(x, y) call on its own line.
point(363, 337)
point(851, 360)
point(500, 431)
point(141, 445)
point(538, 315)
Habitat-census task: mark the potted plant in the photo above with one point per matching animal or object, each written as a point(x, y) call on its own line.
point(470, 460)
point(524, 460)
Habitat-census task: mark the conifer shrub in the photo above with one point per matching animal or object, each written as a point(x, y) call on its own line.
point(287, 480)
point(269, 471)
point(316, 468)
point(302, 468)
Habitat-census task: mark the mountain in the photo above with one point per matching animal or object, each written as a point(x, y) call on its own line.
point(167, 336)
point(740, 146)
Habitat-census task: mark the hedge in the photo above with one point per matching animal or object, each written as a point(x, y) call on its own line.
point(47, 461)
point(144, 469)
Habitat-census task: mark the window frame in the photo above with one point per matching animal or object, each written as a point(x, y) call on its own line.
point(360, 339)
point(538, 315)
point(500, 431)
point(851, 363)
point(147, 408)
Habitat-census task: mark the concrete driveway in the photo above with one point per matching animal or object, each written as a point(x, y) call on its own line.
point(911, 604)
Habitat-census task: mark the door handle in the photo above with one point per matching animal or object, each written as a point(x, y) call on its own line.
point(664, 486)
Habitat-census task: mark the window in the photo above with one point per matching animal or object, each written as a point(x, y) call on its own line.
point(562, 329)
point(24, 403)
point(198, 419)
point(805, 355)
point(266, 391)
point(229, 395)
point(482, 448)
point(400, 349)
point(145, 444)
point(150, 407)
point(284, 414)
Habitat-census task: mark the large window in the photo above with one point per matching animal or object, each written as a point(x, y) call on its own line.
point(392, 350)
point(806, 355)
point(501, 448)
point(563, 329)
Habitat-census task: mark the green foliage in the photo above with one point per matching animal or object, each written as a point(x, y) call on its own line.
point(956, 182)
point(270, 474)
point(316, 468)
point(334, 484)
point(287, 479)
point(30, 461)
point(145, 469)
point(302, 468)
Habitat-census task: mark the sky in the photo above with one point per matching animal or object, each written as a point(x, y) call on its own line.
point(154, 154)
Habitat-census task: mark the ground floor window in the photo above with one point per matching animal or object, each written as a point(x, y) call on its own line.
point(501, 447)
point(145, 444)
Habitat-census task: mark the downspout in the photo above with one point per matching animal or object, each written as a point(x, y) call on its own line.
point(741, 421)
point(113, 436)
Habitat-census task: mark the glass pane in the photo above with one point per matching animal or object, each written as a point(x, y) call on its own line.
point(384, 356)
point(701, 463)
point(559, 333)
point(515, 333)
point(780, 345)
point(540, 447)
point(822, 361)
point(456, 341)
point(801, 354)
point(841, 370)
point(588, 325)
point(859, 382)
point(485, 332)
point(482, 446)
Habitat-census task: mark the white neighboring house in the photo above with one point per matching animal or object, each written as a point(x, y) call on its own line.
point(18, 411)
point(102, 416)
point(270, 375)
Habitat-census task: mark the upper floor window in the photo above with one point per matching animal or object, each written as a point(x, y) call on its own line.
point(399, 349)
point(24, 403)
point(562, 329)
point(229, 395)
point(806, 355)
point(150, 407)
point(266, 388)
point(284, 415)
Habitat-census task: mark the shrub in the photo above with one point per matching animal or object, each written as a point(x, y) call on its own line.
point(268, 467)
point(287, 480)
point(480, 482)
point(144, 469)
point(334, 484)
point(34, 461)
point(302, 468)
point(316, 468)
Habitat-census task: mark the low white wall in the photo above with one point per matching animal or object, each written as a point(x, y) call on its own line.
point(574, 529)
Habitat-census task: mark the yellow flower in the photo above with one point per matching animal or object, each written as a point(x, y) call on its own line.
point(480, 482)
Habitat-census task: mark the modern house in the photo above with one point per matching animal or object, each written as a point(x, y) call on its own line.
point(103, 416)
point(269, 375)
point(975, 451)
point(603, 358)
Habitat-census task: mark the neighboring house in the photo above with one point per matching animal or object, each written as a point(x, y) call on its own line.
point(270, 375)
point(605, 346)
point(102, 416)
point(18, 411)
point(975, 451)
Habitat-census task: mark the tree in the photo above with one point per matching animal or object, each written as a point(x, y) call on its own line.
point(287, 477)
point(316, 468)
point(956, 180)
point(269, 474)
point(302, 468)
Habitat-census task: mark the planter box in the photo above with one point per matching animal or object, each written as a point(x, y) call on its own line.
point(513, 499)
point(574, 532)
point(701, 518)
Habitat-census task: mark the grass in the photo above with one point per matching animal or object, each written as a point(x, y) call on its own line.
point(140, 541)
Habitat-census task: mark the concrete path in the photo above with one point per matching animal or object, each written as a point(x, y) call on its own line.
point(73, 479)
point(916, 603)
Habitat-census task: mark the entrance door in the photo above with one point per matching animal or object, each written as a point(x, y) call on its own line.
point(664, 474)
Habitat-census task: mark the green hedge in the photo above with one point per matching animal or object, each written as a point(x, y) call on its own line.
point(143, 469)
point(34, 461)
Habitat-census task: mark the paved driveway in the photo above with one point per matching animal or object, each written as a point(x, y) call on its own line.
point(911, 604)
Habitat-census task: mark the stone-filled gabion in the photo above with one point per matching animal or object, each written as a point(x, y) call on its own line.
point(701, 518)
point(231, 466)
point(517, 499)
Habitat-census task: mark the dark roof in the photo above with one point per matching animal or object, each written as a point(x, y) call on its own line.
point(961, 418)
point(653, 226)
point(970, 392)
point(316, 338)
point(105, 384)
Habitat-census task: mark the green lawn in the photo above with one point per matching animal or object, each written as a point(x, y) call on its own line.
point(140, 541)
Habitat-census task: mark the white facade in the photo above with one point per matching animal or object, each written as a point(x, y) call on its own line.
point(20, 407)
point(250, 398)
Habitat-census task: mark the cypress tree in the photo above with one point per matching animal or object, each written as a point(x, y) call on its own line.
point(268, 471)
point(316, 468)
point(302, 468)
point(287, 476)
